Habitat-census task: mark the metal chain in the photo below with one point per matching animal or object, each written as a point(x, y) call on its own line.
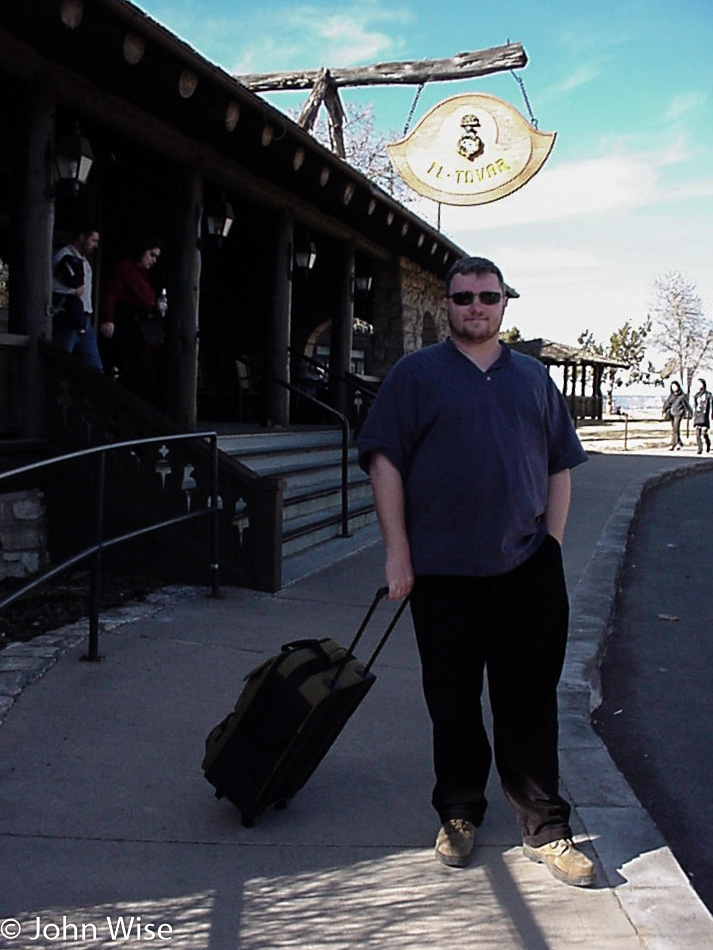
point(521, 84)
point(413, 107)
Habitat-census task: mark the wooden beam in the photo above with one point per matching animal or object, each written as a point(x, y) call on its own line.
point(335, 113)
point(316, 97)
point(460, 66)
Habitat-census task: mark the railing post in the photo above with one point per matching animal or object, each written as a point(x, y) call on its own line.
point(345, 478)
point(95, 590)
point(215, 518)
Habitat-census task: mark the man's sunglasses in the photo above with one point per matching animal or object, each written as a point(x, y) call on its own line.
point(464, 298)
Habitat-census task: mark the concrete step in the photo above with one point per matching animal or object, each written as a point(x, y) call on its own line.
point(299, 534)
point(328, 471)
point(323, 495)
point(266, 442)
point(291, 462)
point(310, 463)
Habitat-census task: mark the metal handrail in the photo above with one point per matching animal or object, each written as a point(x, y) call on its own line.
point(343, 377)
point(101, 544)
point(344, 422)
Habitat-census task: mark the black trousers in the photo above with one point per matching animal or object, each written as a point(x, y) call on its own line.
point(701, 435)
point(676, 430)
point(515, 627)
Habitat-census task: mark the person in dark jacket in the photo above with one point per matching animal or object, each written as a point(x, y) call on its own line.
point(128, 308)
point(702, 416)
point(674, 409)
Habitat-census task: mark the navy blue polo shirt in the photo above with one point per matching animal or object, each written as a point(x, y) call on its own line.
point(475, 451)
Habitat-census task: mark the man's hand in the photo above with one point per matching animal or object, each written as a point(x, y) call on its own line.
point(107, 330)
point(560, 493)
point(389, 500)
point(399, 574)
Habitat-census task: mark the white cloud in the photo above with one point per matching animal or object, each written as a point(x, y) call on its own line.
point(580, 77)
point(310, 36)
point(543, 258)
point(608, 184)
point(345, 40)
point(571, 190)
point(683, 104)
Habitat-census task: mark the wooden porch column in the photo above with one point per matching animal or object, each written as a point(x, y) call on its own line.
point(598, 401)
point(340, 346)
point(278, 402)
point(31, 269)
point(183, 301)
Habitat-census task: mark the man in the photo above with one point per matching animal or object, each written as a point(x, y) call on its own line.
point(72, 328)
point(469, 447)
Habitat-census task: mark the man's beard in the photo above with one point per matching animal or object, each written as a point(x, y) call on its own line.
point(483, 333)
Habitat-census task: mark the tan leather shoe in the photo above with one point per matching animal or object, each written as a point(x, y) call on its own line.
point(564, 862)
point(454, 844)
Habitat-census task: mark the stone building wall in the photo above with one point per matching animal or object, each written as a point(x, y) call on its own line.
point(422, 300)
point(23, 534)
point(408, 307)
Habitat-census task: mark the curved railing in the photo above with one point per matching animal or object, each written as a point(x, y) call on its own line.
point(94, 551)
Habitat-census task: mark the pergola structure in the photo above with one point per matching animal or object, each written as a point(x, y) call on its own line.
point(580, 368)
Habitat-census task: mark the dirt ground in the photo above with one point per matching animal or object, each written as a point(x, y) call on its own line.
point(622, 434)
point(63, 601)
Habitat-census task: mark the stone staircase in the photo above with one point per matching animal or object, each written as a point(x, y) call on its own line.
point(309, 460)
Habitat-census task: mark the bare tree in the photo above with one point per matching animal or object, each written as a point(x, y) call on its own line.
point(365, 148)
point(681, 328)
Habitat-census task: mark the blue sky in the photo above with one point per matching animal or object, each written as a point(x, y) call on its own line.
point(627, 193)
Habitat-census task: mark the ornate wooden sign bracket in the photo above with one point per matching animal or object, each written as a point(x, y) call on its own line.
point(325, 83)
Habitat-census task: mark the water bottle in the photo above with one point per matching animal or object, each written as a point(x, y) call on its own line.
point(162, 303)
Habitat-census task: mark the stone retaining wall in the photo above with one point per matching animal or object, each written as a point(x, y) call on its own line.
point(23, 534)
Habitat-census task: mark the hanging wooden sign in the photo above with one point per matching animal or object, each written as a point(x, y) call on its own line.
point(471, 149)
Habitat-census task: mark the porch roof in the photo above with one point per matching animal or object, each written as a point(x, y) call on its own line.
point(560, 354)
point(111, 62)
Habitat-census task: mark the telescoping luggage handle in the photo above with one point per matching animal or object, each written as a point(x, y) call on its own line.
point(380, 594)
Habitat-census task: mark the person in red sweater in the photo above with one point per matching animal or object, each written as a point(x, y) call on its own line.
point(129, 303)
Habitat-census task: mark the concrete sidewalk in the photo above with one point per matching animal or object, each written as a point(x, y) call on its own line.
point(109, 830)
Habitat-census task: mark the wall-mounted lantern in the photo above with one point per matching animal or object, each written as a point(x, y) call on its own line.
point(73, 160)
point(303, 256)
point(219, 219)
point(361, 284)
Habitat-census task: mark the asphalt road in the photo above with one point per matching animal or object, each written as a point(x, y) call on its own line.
point(657, 715)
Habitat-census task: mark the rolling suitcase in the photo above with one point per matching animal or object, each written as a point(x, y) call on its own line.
point(289, 713)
